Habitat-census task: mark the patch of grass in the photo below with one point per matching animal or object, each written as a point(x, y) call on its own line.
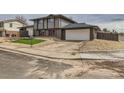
point(28, 41)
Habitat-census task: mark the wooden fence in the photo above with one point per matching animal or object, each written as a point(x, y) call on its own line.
point(107, 36)
point(24, 33)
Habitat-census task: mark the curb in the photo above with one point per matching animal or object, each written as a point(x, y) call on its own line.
point(40, 55)
point(12, 50)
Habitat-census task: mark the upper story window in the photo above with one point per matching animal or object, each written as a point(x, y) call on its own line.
point(11, 25)
point(35, 24)
point(50, 20)
point(1, 24)
point(41, 22)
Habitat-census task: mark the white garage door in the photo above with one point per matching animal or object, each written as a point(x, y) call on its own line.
point(80, 34)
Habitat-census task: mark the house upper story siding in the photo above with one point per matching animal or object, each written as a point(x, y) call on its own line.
point(14, 26)
point(50, 23)
point(11, 26)
point(63, 23)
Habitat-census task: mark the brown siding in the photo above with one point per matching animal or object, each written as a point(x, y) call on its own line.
point(62, 34)
point(91, 34)
point(11, 33)
point(23, 33)
point(107, 36)
point(58, 33)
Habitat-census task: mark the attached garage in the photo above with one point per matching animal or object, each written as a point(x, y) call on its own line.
point(77, 34)
point(79, 31)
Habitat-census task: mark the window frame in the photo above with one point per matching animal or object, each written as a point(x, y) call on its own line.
point(11, 25)
point(1, 24)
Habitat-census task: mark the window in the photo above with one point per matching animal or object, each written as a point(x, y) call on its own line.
point(1, 24)
point(40, 24)
point(35, 24)
point(45, 23)
point(50, 23)
point(50, 20)
point(57, 23)
point(11, 24)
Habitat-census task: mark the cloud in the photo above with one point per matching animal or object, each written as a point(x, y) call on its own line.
point(110, 21)
point(118, 19)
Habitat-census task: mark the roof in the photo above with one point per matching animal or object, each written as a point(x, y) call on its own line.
point(78, 25)
point(55, 16)
point(11, 20)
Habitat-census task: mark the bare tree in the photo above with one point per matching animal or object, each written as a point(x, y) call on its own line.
point(22, 19)
point(114, 31)
point(105, 29)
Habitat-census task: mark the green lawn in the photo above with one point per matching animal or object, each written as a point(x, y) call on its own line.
point(28, 41)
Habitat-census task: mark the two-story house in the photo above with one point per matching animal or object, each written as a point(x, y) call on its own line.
point(10, 28)
point(64, 28)
point(51, 25)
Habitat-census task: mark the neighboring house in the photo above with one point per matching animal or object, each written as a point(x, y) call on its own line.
point(27, 31)
point(9, 28)
point(63, 28)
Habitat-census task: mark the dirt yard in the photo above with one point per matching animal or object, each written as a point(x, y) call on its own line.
point(17, 66)
point(88, 69)
point(14, 65)
point(2, 39)
point(100, 45)
point(60, 46)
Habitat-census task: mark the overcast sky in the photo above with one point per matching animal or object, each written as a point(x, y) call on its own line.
point(110, 21)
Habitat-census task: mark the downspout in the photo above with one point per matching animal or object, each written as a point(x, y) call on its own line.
point(4, 30)
point(54, 28)
point(91, 34)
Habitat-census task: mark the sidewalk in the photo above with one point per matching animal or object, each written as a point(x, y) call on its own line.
point(102, 56)
point(36, 52)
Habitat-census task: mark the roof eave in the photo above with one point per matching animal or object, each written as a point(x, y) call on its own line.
point(81, 27)
point(59, 16)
